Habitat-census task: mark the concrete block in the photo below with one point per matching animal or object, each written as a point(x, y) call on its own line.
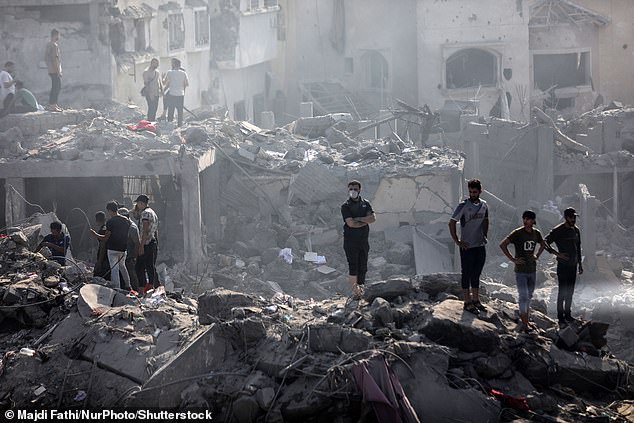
point(244, 250)
point(428, 392)
point(333, 338)
point(265, 397)
point(267, 120)
point(219, 302)
point(382, 311)
point(490, 367)
point(205, 353)
point(400, 254)
point(454, 327)
point(389, 289)
point(306, 109)
point(94, 300)
point(568, 336)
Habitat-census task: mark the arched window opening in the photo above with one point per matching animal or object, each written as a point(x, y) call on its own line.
point(471, 68)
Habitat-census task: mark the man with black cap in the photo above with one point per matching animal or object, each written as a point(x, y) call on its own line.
point(525, 239)
point(148, 248)
point(567, 237)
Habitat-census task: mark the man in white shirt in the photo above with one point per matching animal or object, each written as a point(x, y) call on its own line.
point(7, 84)
point(176, 81)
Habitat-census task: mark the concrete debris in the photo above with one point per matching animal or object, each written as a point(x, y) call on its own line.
point(257, 332)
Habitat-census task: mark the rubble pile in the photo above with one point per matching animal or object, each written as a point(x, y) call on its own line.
point(607, 124)
point(33, 290)
point(279, 358)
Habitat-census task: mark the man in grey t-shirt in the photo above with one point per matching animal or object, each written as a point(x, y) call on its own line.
point(473, 215)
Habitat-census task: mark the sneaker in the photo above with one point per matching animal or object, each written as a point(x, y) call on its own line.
point(570, 319)
point(471, 308)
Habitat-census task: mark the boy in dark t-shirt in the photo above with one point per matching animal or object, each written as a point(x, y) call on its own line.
point(57, 242)
point(525, 239)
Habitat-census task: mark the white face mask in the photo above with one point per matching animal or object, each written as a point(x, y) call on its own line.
point(353, 194)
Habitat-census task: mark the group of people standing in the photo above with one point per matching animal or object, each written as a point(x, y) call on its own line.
point(16, 98)
point(473, 215)
point(170, 85)
point(128, 245)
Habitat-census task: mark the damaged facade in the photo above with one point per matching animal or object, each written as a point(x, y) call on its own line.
point(250, 323)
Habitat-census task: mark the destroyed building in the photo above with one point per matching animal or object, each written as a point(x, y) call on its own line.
point(253, 321)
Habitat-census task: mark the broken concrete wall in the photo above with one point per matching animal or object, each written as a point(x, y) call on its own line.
point(412, 199)
point(513, 162)
point(614, 61)
point(311, 55)
point(497, 29)
point(238, 87)
point(579, 43)
point(85, 52)
point(135, 57)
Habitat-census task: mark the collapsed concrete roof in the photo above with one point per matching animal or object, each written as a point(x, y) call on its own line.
point(548, 13)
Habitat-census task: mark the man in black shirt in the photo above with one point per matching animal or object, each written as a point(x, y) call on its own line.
point(116, 238)
point(567, 237)
point(357, 214)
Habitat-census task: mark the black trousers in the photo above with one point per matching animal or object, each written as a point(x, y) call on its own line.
point(472, 261)
point(357, 255)
point(175, 102)
point(567, 276)
point(152, 107)
point(146, 265)
point(130, 264)
point(56, 86)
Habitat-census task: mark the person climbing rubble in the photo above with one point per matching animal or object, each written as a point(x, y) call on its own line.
point(525, 239)
point(357, 214)
point(473, 214)
point(56, 242)
point(567, 238)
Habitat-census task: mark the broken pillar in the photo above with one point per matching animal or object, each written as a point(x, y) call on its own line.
point(14, 205)
point(192, 220)
point(306, 109)
point(611, 140)
point(544, 182)
point(267, 120)
point(587, 208)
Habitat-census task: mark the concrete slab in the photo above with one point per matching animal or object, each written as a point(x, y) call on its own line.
point(208, 351)
point(452, 326)
point(94, 300)
point(430, 255)
point(429, 394)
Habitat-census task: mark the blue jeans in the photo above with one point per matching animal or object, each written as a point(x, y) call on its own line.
point(525, 287)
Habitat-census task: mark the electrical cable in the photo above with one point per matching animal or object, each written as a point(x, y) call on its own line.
point(24, 199)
